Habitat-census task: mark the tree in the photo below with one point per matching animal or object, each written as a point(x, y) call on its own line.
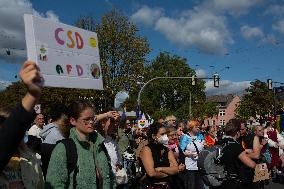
point(171, 96)
point(50, 96)
point(122, 51)
point(258, 101)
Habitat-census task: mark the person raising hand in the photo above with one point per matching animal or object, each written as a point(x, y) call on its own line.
point(13, 128)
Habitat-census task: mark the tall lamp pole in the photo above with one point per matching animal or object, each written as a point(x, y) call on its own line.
point(193, 78)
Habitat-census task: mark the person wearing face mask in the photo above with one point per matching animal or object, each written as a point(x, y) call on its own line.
point(158, 162)
point(191, 144)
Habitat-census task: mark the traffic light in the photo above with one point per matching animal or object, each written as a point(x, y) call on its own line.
point(193, 80)
point(269, 84)
point(216, 79)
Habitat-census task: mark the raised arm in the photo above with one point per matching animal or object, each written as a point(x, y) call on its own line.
point(13, 128)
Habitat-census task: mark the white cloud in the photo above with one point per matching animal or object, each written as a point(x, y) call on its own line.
point(235, 8)
point(226, 87)
point(196, 28)
point(147, 16)
point(12, 32)
point(251, 32)
point(276, 10)
point(279, 26)
point(4, 85)
point(271, 39)
point(201, 73)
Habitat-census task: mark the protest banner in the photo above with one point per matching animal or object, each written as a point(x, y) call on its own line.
point(66, 55)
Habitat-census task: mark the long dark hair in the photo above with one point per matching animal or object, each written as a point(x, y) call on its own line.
point(153, 130)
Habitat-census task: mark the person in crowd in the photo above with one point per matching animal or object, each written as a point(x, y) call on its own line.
point(38, 126)
point(250, 142)
point(124, 136)
point(210, 137)
point(177, 181)
point(170, 121)
point(92, 169)
point(14, 127)
point(259, 131)
point(275, 142)
point(161, 120)
point(34, 139)
point(234, 156)
point(54, 132)
point(203, 129)
point(180, 129)
point(108, 129)
point(246, 138)
point(20, 167)
point(173, 141)
point(158, 163)
point(191, 144)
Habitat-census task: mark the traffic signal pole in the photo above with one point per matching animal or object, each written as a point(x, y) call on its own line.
point(193, 78)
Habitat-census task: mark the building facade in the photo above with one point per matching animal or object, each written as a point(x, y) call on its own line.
point(226, 106)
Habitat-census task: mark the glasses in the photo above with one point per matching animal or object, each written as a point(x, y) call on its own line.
point(89, 120)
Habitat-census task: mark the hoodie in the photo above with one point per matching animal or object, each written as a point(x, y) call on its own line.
point(51, 134)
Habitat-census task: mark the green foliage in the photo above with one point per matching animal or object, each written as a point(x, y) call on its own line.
point(12, 95)
point(171, 96)
point(258, 100)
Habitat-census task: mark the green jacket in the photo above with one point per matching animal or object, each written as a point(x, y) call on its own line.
point(91, 155)
point(123, 141)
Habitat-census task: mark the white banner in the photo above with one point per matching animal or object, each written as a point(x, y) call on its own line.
point(67, 56)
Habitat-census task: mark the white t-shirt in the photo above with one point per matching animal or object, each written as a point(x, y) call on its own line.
point(34, 131)
point(112, 150)
point(191, 162)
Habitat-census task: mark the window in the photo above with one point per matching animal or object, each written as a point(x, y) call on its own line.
point(222, 122)
point(213, 122)
point(208, 122)
point(222, 112)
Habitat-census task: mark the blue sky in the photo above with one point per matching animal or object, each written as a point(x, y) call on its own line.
point(241, 40)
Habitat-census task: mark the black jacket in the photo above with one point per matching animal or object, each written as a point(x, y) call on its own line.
point(12, 132)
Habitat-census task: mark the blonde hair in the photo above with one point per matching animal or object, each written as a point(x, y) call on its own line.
point(170, 117)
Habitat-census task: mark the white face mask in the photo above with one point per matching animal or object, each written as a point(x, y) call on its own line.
point(163, 139)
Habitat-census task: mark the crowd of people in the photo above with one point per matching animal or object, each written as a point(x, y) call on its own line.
point(77, 148)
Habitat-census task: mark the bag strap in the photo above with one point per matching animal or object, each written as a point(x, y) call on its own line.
point(195, 147)
point(193, 143)
point(72, 158)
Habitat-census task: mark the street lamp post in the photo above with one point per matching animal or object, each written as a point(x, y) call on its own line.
point(215, 77)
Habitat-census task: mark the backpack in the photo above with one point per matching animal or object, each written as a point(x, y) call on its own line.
point(210, 167)
point(72, 158)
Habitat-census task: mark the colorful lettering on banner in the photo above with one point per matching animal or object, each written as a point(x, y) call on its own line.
point(79, 40)
point(79, 70)
point(59, 69)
